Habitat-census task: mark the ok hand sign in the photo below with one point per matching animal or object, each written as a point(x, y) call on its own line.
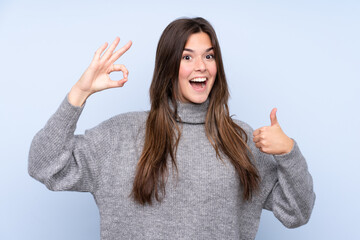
point(97, 76)
point(271, 139)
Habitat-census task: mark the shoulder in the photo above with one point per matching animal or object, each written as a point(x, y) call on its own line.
point(265, 163)
point(129, 119)
point(121, 123)
point(246, 127)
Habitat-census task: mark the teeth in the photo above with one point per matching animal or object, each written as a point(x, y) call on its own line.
point(198, 80)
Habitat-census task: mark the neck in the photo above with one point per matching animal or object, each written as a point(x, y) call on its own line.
point(192, 113)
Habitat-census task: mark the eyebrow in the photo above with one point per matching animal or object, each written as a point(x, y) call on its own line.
point(190, 50)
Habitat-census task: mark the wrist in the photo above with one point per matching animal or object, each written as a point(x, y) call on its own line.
point(77, 97)
point(288, 146)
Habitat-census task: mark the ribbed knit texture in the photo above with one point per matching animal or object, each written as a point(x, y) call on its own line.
point(203, 202)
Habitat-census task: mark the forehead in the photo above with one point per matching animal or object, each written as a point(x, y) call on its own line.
point(198, 41)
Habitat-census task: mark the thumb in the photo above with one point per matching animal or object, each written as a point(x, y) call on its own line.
point(273, 117)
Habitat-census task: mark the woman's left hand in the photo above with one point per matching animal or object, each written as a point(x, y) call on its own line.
point(272, 139)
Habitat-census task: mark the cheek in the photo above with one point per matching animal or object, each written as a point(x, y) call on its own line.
point(184, 71)
point(212, 69)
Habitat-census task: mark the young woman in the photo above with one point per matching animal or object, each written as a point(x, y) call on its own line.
point(185, 169)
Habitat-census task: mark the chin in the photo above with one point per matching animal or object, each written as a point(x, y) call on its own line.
point(198, 100)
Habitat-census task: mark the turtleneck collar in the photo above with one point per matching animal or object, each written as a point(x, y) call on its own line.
point(192, 113)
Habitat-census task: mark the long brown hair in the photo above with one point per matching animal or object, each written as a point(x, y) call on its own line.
point(162, 132)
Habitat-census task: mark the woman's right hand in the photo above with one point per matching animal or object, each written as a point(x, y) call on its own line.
point(97, 76)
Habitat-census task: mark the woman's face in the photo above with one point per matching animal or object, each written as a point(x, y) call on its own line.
point(197, 69)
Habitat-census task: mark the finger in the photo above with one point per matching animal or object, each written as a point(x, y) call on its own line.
point(256, 139)
point(100, 51)
point(115, 84)
point(120, 52)
point(259, 130)
point(258, 145)
point(273, 117)
point(120, 67)
point(256, 132)
point(111, 49)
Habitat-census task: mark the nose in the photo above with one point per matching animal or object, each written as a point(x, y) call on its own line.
point(200, 65)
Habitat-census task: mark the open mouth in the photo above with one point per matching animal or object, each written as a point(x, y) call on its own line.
point(198, 83)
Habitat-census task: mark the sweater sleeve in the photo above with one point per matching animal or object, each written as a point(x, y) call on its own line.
point(291, 198)
point(58, 158)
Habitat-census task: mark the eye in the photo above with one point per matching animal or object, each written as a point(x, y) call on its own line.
point(186, 57)
point(210, 56)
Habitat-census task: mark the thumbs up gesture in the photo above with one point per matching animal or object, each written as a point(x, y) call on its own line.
point(272, 139)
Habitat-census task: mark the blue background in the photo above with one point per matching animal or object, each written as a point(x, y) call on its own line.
point(302, 57)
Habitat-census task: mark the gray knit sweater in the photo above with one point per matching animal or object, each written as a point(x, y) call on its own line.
point(205, 202)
